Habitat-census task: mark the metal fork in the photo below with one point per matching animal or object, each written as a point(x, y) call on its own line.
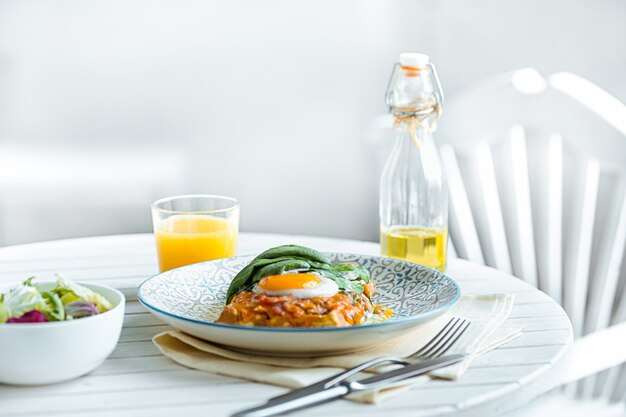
point(436, 347)
point(441, 343)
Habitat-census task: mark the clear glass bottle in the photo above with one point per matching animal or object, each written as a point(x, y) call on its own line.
point(413, 190)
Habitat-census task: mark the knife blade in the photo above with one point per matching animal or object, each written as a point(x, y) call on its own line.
point(318, 394)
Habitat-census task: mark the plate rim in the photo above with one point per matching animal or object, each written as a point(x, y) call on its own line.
point(425, 316)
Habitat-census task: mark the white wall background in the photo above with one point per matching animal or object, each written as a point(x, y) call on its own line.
point(107, 105)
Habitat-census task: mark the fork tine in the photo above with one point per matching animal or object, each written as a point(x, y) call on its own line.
point(451, 340)
point(442, 333)
point(441, 340)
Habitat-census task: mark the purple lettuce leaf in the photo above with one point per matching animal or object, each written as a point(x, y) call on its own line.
point(33, 316)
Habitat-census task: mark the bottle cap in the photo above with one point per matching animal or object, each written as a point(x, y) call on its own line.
point(413, 60)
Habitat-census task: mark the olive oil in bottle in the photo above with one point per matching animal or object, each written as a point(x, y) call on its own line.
point(413, 190)
point(424, 246)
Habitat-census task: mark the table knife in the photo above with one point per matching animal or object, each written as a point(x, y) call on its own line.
point(320, 392)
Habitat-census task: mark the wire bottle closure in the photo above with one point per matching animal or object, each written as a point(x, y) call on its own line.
point(422, 111)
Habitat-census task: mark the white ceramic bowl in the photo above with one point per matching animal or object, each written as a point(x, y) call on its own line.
point(45, 353)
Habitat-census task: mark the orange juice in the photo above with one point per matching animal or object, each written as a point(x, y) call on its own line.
point(187, 239)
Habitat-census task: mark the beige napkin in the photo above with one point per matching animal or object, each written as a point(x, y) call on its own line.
point(486, 312)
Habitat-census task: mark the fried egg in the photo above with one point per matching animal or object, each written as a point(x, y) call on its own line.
point(300, 285)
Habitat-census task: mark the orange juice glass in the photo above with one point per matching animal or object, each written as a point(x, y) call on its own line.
point(194, 228)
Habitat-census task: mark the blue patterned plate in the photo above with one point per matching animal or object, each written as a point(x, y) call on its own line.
point(192, 297)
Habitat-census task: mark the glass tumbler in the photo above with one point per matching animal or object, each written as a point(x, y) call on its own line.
point(194, 228)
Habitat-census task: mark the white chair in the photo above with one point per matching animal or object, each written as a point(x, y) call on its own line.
point(537, 175)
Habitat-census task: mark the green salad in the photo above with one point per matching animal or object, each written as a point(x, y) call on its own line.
point(28, 303)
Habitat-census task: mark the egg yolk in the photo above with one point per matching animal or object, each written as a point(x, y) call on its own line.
point(288, 282)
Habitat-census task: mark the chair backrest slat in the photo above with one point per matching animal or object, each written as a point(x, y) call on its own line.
point(467, 244)
point(546, 176)
point(489, 215)
point(451, 249)
point(619, 394)
point(620, 308)
point(552, 283)
point(610, 260)
point(526, 264)
point(576, 275)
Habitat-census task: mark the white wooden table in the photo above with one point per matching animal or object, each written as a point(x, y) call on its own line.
point(137, 381)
